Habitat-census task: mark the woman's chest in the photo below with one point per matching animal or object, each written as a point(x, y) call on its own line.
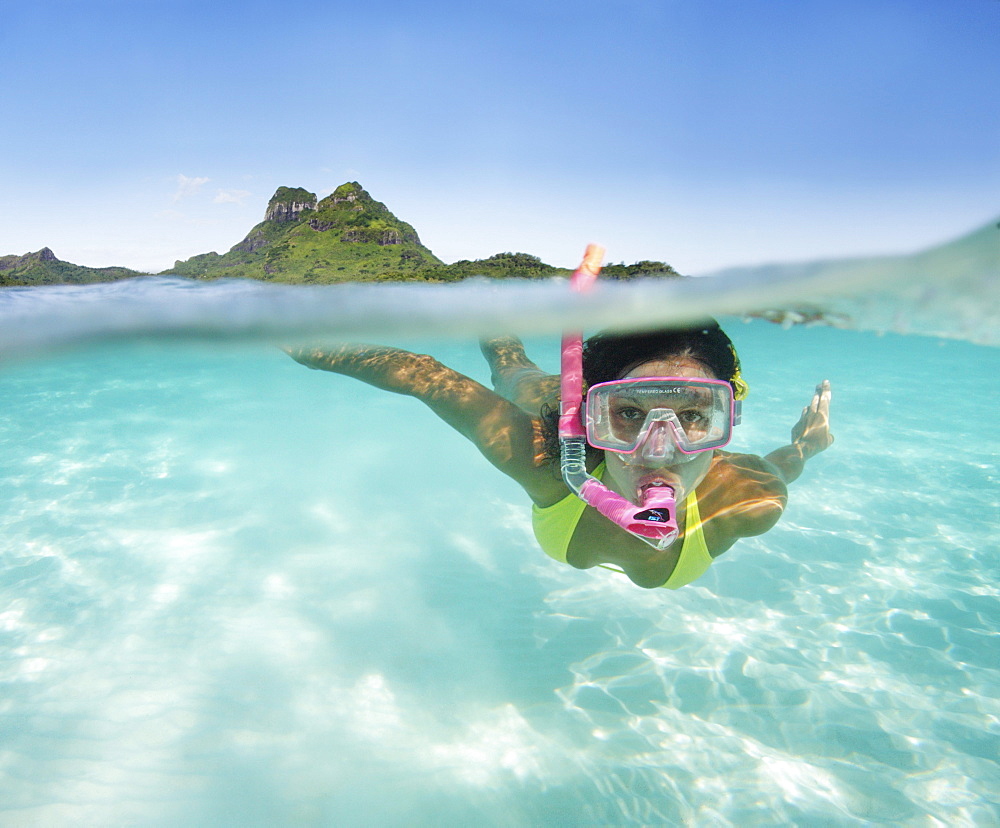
point(596, 541)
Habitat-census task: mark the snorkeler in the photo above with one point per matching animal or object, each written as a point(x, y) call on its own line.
point(659, 408)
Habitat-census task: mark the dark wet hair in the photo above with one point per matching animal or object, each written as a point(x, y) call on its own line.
point(609, 356)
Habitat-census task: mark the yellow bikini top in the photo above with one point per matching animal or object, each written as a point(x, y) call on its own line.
point(554, 526)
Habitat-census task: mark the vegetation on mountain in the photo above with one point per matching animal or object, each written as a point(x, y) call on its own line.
point(348, 236)
point(43, 268)
point(622, 271)
point(345, 237)
point(500, 266)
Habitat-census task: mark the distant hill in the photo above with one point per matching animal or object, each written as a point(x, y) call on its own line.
point(526, 266)
point(43, 268)
point(346, 237)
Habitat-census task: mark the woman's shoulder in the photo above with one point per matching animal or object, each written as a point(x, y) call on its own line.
point(749, 469)
point(742, 494)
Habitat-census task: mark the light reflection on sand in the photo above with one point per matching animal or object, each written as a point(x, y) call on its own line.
point(202, 621)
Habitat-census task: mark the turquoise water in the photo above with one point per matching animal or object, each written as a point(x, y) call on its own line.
point(237, 592)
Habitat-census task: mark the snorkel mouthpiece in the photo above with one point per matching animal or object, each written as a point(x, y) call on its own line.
point(659, 506)
point(655, 521)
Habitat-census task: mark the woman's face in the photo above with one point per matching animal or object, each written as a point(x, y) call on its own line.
point(628, 476)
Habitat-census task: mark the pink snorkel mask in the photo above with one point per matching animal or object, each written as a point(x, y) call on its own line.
point(664, 419)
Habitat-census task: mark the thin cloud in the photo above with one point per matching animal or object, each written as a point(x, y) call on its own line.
point(230, 196)
point(187, 186)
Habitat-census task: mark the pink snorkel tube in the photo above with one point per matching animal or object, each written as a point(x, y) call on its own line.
point(655, 521)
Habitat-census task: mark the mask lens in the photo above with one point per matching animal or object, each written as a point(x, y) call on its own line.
point(621, 416)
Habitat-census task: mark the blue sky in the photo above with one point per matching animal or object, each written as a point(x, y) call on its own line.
point(703, 134)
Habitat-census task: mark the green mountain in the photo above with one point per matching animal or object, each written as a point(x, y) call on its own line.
point(348, 236)
point(43, 268)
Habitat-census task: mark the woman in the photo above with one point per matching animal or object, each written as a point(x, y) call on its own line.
point(721, 496)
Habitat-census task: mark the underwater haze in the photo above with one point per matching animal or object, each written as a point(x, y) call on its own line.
point(234, 591)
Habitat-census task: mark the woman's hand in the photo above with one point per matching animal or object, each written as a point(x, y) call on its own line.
point(812, 432)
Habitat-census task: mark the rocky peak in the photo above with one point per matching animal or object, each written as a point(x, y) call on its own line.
point(350, 193)
point(288, 204)
point(28, 259)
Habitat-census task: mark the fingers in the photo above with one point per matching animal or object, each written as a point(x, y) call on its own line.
point(820, 402)
point(823, 396)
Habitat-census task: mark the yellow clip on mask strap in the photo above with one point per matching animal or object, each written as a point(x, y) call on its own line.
point(740, 388)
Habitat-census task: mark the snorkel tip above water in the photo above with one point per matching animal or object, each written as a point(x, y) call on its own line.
point(586, 274)
point(655, 520)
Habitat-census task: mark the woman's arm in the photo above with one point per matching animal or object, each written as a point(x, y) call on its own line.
point(745, 495)
point(505, 435)
point(810, 435)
